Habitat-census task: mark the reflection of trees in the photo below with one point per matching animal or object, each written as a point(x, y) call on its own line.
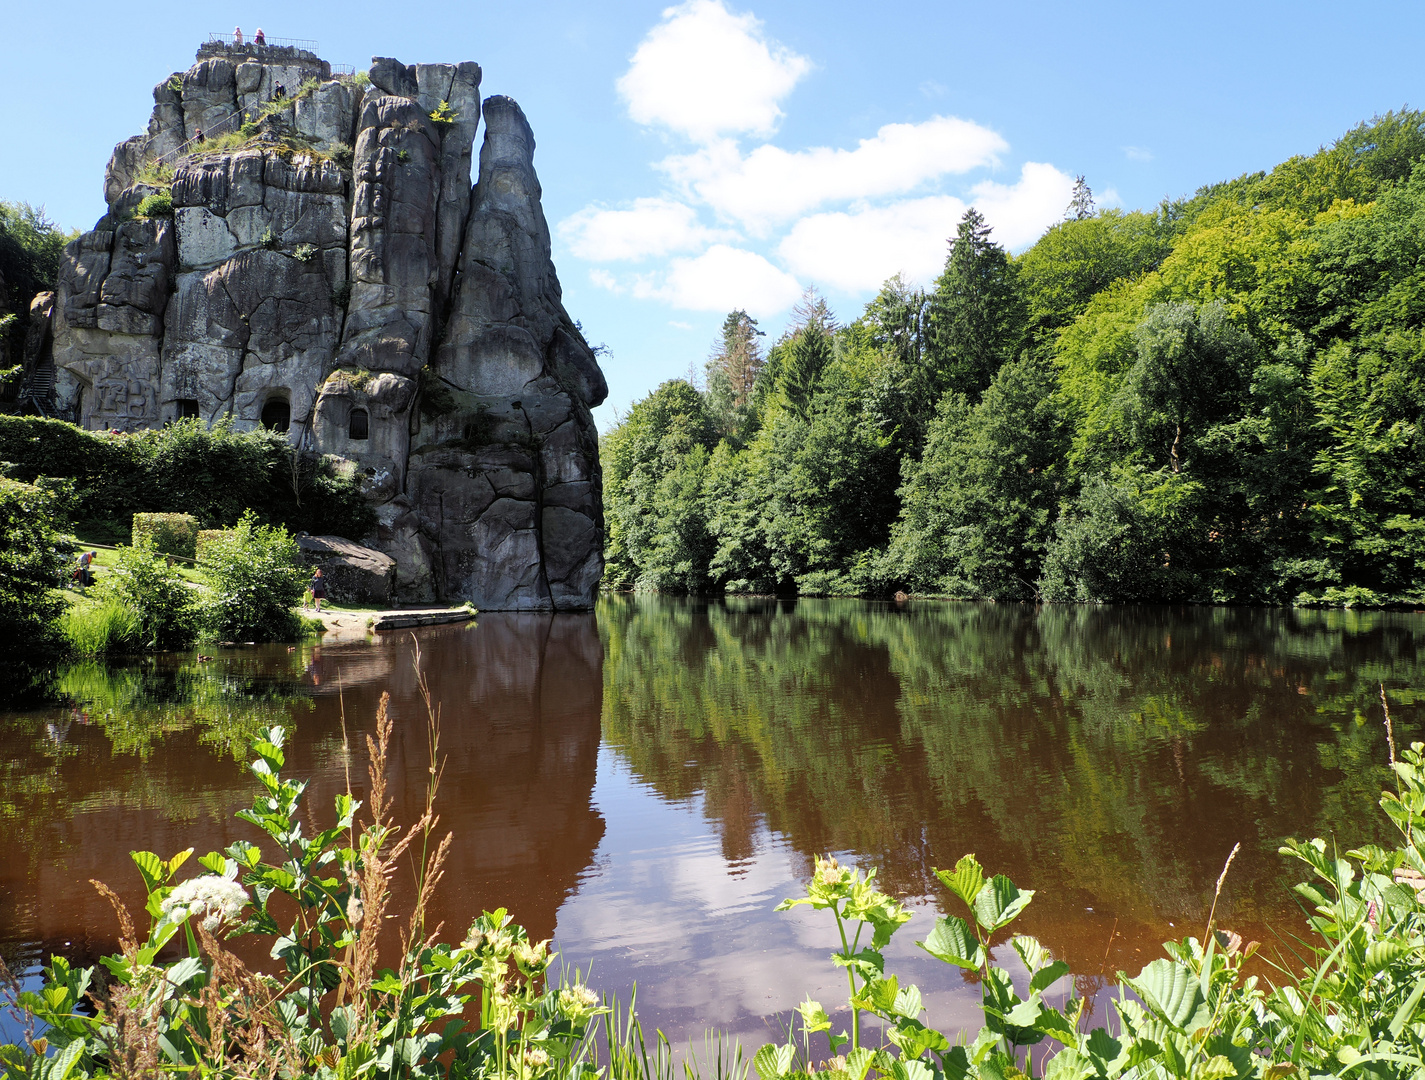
point(1108, 756)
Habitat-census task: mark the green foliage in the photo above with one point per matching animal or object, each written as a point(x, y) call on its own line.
point(329, 1011)
point(213, 473)
point(30, 249)
point(304, 252)
point(33, 560)
point(167, 534)
point(142, 580)
point(255, 579)
point(443, 115)
point(157, 205)
point(270, 241)
point(103, 627)
point(1221, 401)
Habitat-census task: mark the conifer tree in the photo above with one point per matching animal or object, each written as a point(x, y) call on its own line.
point(976, 312)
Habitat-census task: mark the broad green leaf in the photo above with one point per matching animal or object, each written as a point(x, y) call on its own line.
point(1069, 1064)
point(151, 867)
point(999, 902)
point(1034, 954)
point(1046, 977)
point(63, 1062)
point(773, 1061)
point(952, 940)
point(178, 860)
point(1380, 954)
point(1214, 1068)
point(966, 880)
point(859, 1061)
point(814, 1017)
point(908, 1003)
point(1171, 991)
point(911, 1070)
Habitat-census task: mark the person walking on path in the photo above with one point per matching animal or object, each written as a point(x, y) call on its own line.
point(319, 589)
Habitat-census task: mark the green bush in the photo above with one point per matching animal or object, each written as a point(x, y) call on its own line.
point(170, 534)
point(166, 605)
point(159, 204)
point(206, 537)
point(213, 473)
point(255, 579)
point(33, 558)
point(103, 628)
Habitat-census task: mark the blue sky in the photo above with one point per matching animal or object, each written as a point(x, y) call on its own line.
point(719, 154)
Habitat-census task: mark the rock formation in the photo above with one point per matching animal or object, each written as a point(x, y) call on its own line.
point(328, 270)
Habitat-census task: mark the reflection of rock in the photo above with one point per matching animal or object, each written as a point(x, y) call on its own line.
point(354, 574)
point(381, 310)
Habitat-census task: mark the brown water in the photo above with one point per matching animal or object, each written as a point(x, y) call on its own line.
point(645, 783)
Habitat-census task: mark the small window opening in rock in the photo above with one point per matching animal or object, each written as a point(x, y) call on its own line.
point(357, 426)
point(277, 414)
point(187, 408)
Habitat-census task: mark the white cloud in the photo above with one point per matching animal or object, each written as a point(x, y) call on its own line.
point(1021, 212)
point(648, 227)
point(704, 71)
point(720, 279)
point(857, 250)
point(1137, 153)
point(604, 280)
point(772, 185)
point(677, 325)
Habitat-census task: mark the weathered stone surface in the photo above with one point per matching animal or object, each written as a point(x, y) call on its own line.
point(284, 277)
point(354, 574)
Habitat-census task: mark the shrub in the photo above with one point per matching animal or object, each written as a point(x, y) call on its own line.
point(206, 537)
point(33, 559)
point(157, 205)
point(342, 154)
point(168, 534)
point(269, 241)
point(255, 579)
point(164, 602)
point(98, 629)
point(304, 252)
point(341, 295)
point(213, 473)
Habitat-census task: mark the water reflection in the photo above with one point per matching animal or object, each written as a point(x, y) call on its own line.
point(1108, 757)
point(645, 785)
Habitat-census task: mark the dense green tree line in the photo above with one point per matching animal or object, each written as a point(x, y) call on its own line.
point(1219, 400)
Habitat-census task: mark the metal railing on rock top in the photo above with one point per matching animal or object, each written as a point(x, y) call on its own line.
point(307, 44)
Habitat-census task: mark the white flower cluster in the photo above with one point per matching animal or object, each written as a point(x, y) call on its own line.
point(577, 1000)
point(216, 898)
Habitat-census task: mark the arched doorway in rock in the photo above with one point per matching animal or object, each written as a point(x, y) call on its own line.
point(358, 424)
point(277, 414)
point(185, 409)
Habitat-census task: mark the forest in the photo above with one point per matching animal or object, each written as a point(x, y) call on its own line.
point(1217, 401)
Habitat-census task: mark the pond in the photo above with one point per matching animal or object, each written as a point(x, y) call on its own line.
point(644, 783)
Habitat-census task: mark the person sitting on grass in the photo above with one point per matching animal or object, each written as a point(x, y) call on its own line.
point(319, 589)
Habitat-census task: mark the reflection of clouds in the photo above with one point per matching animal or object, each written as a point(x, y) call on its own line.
point(661, 907)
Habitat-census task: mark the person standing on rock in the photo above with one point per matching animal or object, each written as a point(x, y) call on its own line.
point(259, 38)
point(237, 36)
point(319, 589)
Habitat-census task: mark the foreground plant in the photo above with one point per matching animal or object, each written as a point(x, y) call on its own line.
point(331, 1011)
point(1353, 1009)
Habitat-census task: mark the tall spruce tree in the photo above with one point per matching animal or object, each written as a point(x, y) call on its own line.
point(977, 317)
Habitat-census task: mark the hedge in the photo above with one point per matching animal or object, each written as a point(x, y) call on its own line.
point(206, 537)
point(172, 534)
point(214, 474)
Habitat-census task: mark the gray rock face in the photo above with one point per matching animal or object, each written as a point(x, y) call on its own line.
point(354, 574)
point(406, 326)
